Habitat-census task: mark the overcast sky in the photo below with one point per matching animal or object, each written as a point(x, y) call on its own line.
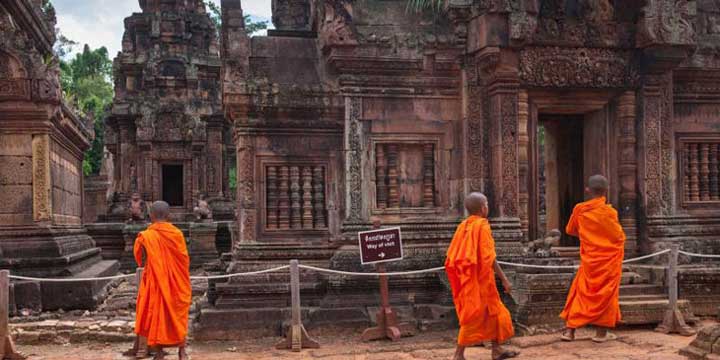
point(100, 22)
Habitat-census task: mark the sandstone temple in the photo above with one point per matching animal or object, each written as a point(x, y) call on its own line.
point(354, 111)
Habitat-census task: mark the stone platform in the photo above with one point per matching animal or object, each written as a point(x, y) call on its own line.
point(261, 303)
point(117, 239)
point(55, 252)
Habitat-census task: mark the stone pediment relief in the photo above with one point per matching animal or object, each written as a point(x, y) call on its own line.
point(667, 23)
point(169, 123)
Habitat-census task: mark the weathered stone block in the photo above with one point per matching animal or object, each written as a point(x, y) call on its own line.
point(15, 170)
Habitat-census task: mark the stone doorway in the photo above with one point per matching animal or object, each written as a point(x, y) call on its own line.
point(569, 141)
point(172, 184)
point(560, 138)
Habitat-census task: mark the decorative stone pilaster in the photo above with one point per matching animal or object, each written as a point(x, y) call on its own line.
point(523, 157)
point(656, 125)
point(246, 189)
point(41, 181)
point(353, 159)
point(627, 171)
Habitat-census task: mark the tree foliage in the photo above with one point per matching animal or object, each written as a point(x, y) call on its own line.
point(251, 26)
point(87, 84)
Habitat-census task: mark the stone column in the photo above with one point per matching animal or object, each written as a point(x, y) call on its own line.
point(627, 171)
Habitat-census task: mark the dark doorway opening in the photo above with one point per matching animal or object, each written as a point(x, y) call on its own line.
point(172, 184)
point(561, 141)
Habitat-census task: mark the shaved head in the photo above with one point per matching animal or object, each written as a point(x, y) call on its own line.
point(598, 185)
point(475, 203)
point(159, 211)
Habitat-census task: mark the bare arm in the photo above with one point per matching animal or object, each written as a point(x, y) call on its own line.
point(506, 283)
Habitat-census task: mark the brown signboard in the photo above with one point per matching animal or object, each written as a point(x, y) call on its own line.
point(382, 245)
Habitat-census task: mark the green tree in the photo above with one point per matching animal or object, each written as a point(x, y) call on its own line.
point(87, 83)
point(215, 13)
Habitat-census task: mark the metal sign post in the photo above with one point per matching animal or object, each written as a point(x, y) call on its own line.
point(7, 346)
point(378, 247)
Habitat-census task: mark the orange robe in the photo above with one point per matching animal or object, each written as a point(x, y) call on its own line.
point(163, 302)
point(469, 267)
point(594, 294)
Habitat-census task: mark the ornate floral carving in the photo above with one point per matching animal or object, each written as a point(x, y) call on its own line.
point(577, 67)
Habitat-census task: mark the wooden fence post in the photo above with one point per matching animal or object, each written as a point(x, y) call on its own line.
point(674, 322)
point(7, 346)
point(297, 337)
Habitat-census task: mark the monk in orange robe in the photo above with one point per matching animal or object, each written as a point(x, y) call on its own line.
point(594, 294)
point(471, 269)
point(163, 302)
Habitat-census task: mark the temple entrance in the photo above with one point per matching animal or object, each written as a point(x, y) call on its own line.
point(172, 184)
point(569, 142)
point(561, 151)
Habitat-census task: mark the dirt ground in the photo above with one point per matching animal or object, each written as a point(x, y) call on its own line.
point(640, 344)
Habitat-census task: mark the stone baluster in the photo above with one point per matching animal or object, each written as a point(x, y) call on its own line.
point(714, 190)
point(307, 198)
point(429, 175)
point(704, 171)
point(381, 176)
point(272, 197)
point(284, 199)
point(694, 181)
point(295, 209)
point(319, 196)
point(393, 189)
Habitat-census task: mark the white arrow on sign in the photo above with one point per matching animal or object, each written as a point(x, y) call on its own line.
point(381, 255)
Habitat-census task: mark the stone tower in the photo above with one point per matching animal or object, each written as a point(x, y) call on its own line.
point(167, 132)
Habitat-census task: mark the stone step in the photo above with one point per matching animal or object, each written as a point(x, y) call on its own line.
point(631, 277)
point(643, 312)
point(641, 289)
point(643, 297)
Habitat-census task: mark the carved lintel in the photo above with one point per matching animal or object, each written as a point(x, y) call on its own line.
point(42, 183)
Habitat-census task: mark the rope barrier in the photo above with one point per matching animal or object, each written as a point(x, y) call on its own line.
point(60, 280)
point(227, 276)
point(533, 266)
point(710, 256)
point(399, 273)
point(350, 273)
point(647, 256)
